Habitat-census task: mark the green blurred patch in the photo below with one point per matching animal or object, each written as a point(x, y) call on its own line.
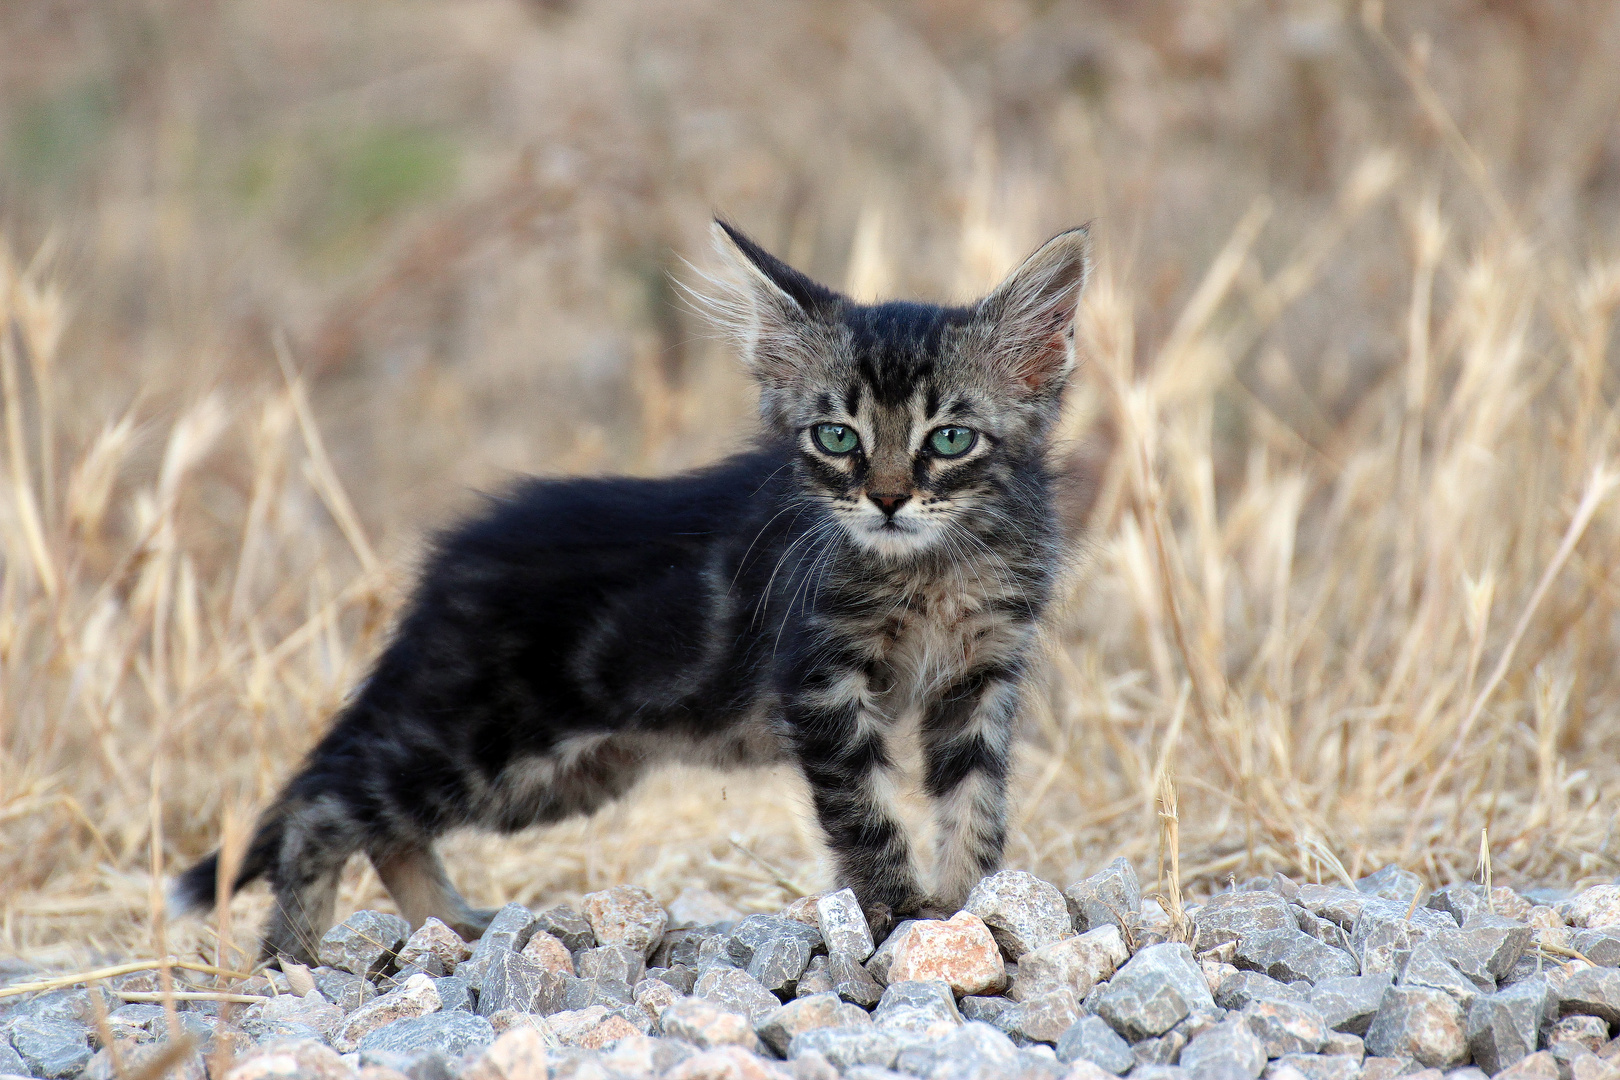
point(365, 177)
point(52, 138)
point(331, 191)
point(386, 169)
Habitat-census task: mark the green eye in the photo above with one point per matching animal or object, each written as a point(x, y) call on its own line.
point(952, 441)
point(836, 438)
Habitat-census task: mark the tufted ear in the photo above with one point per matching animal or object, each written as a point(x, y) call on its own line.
point(773, 312)
point(1030, 316)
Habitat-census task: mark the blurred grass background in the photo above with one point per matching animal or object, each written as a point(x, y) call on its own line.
point(289, 280)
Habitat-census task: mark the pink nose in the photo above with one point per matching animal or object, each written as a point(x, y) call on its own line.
point(889, 503)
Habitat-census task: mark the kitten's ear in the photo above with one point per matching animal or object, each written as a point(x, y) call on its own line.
point(770, 308)
point(1031, 314)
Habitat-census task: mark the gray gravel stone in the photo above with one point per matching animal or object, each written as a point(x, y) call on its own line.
point(312, 1011)
point(365, 943)
point(1228, 1051)
point(773, 949)
point(1287, 1027)
point(433, 948)
point(920, 1006)
point(1601, 945)
point(1161, 1049)
point(853, 982)
point(454, 994)
point(1420, 1023)
point(738, 991)
point(1289, 955)
point(681, 977)
point(570, 927)
point(52, 1048)
point(843, 925)
point(1504, 1027)
point(1593, 992)
point(1337, 905)
point(454, 1033)
point(1076, 963)
point(11, 1062)
point(1246, 987)
point(758, 930)
point(705, 1024)
point(1160, 1072)
point(815, 979)
point(1459, 900)
point(1349, 1003)
point(617, 963)
point(807, 1014)
point(1486, 949)
point(566, 993)
point(1384, 936)
point(681, 946)
point(1326, 931)
point(1023, 912)
point(974, 1051)
point(778, 963)
point(508, 931)
point(1041, 1019)
point(983, 1007)
point(1315, 1067)
point(1393, 883)
point(73, 1005)
point(1159, 986)
point(344, 989)
point(1342, 1042)
point(1538, 1066)
point(1091, 1039)
point(1591, 1032)
point(861, 1045)
point(131, 1021)
point(1110, 895)
point(510, 982)
point(1230, 916)
point(883, 956)
point(714, 952)
point(1427, 967)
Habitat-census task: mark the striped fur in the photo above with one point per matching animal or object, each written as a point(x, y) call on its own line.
point(785, 604)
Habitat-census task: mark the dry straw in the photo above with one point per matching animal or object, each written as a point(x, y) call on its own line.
point(1301, 642)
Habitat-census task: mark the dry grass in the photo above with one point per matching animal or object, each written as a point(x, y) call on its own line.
point(1349, 405)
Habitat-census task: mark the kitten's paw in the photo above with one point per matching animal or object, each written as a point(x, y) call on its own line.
point(472, 922)
point(927, 907)
point(880, 917)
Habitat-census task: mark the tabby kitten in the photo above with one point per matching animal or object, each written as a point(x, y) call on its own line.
point(885, 550)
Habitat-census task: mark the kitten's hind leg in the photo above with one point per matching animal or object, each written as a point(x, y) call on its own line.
point(967, 740)
point(417, 881)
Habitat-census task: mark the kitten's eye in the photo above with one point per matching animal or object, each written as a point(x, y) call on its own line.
point(836, 438)
point(952, 441)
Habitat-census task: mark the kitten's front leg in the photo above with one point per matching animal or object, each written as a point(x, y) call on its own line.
point(966, 741)
point(839, 738)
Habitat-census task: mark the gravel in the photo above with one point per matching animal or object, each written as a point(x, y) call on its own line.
point(1023, 912)
point(1267, 979)
point(1160, 986)
point(365, 943)
point(1091, 1039)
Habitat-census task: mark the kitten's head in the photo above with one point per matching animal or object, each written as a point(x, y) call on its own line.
point(911, 420)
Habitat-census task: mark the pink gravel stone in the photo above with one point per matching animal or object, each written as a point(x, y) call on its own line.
point(960, 951)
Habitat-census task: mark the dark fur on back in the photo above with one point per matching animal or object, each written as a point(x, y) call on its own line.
point(787, 603)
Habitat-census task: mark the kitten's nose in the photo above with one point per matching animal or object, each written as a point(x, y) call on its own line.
point(890, 504)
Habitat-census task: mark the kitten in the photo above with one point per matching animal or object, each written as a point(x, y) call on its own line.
point(885, 550)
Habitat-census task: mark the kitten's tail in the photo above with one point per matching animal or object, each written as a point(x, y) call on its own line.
point(198, 888)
